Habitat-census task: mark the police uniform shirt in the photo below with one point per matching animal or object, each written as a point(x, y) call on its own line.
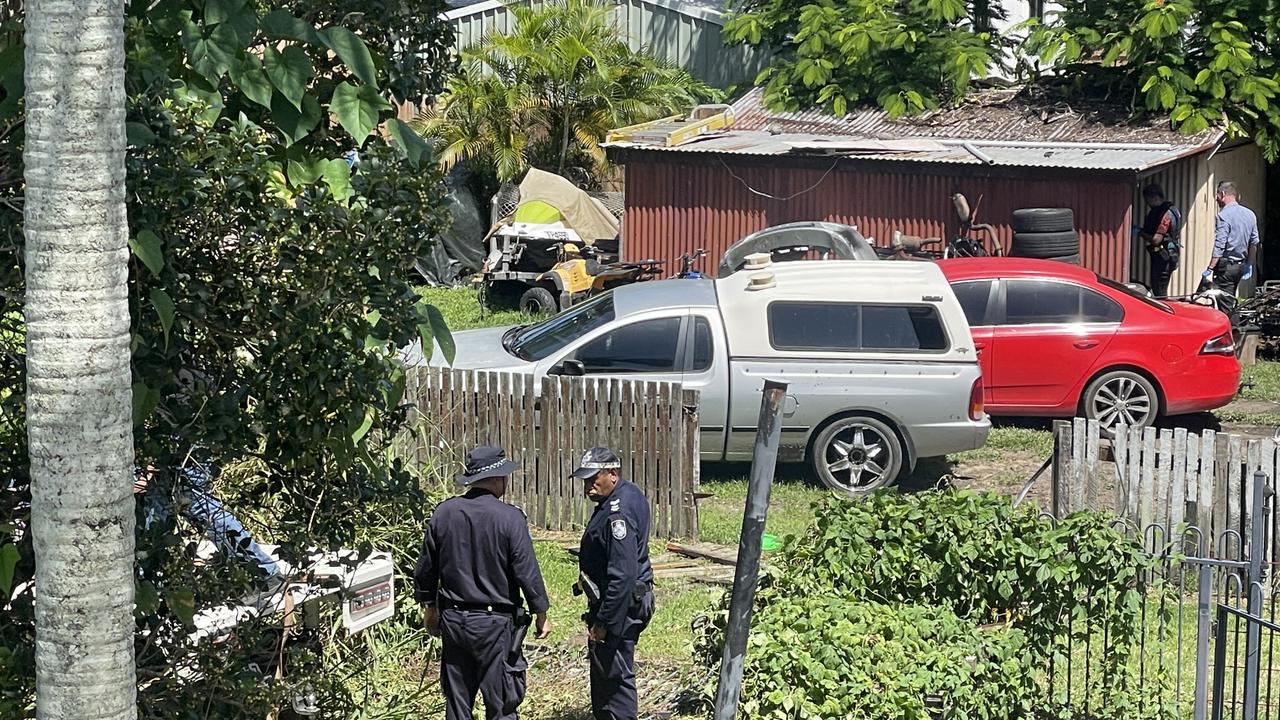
point(477, 553)
point(615, 555)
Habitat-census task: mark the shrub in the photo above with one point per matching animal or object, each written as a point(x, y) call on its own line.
point(881, 603)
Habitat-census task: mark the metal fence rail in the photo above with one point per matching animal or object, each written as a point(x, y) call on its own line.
point(1202, 507)
point(548, 424)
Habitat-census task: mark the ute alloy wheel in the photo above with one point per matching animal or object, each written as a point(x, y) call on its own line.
point(1121, 397)
point(856, 455)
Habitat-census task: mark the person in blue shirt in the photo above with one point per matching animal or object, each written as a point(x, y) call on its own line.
point(1235, 244)
point(617, 579)
point(477, 561)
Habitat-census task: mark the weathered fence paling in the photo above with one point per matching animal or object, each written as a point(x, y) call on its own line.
point(1167, 478)
point(548, 424)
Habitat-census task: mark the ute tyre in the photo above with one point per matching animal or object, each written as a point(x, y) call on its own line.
point(1045, 245)
point(1121, 396)
point(1037, 220)
point(856, 455)
point(538, 301)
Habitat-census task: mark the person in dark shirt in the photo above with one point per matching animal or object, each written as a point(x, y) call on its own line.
point(617, 579)
point(477, 561)
point(1161, 233)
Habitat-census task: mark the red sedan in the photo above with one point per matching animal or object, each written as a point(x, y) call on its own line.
point(1056, 340)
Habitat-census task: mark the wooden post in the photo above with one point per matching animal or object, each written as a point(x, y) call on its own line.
point(692, 462)
point(1061, 466)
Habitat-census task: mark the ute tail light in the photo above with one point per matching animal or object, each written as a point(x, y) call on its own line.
point(976, 406)
point(1223, 344)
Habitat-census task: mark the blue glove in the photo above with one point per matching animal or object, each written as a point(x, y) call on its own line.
point(1248, 271)
point(1207, 274)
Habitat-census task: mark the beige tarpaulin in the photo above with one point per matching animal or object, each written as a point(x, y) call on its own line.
point(586, 215)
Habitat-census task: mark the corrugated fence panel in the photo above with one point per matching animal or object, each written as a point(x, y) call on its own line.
point(676, 205)
point(689, 40)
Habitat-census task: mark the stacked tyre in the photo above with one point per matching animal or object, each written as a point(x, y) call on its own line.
point(1046, 234)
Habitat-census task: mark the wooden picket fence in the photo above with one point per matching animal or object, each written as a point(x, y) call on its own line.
point(1169, 478)
point(547, 425)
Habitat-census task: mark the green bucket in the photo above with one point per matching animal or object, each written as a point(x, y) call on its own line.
point(770, 543)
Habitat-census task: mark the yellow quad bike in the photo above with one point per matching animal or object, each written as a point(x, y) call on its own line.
point(579, 275)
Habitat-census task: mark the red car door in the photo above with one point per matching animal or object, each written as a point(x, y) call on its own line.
point(978, 299)
point(1050, 336)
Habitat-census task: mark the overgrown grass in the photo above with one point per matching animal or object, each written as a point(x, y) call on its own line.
point(463, 310)
point(1265, 378)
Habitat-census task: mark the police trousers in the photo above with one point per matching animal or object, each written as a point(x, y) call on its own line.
point(477, 658)
point(613, 667)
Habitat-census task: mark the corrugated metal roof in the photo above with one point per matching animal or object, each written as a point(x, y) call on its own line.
point(1092, 156)
point(995, 128)
point(985, 115)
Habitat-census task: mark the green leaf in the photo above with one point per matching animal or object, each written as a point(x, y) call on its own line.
point(146, 246)
point(12, 63)
point(182, 603)
point(211, 55)
point(145, 400)
point(364, 427)
point(353, 52)
point(440, 332)
point(138, 134)
point(358, 109)
point(415, 148)
point(304, 171)
point(218, 11)
point(295, 125)
point(163, 304)
point(8, 563)
point(337, 175)
point(248, 75)
point(282, 25)
point(290, 72)
point(145, 599)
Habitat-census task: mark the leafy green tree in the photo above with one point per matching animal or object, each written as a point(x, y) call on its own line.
point(270, 288)
point(546, 94)
point(1204, 63)
point(906, 57)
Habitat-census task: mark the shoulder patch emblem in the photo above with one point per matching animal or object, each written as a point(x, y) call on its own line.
point(619, 529)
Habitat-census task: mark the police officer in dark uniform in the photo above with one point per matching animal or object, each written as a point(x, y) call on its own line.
point(477, 560)
point(617, 579)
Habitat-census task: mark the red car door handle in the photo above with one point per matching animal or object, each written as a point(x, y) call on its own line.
point(1085, 344)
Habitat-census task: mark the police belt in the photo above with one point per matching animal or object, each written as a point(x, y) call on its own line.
point(637, 596)
point(495, 608)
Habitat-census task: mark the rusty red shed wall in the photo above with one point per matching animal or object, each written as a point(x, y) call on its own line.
point(678, 202)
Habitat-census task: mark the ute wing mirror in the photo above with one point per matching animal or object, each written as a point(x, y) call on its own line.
point(568, 368)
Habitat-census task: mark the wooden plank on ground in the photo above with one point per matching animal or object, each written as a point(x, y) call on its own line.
point(722, 554)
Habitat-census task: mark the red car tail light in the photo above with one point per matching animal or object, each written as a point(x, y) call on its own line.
point(1223, 344)
point(976, 406)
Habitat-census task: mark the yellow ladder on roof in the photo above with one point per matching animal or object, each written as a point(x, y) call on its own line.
point(676, 130)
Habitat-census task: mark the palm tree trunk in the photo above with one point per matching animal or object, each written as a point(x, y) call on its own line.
point(564, 138)
point(78, 388)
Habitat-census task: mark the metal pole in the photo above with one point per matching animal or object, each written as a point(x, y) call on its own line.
point(1220, 664)
point(1252, 643)
point(764, 460)
point(1202, 643)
